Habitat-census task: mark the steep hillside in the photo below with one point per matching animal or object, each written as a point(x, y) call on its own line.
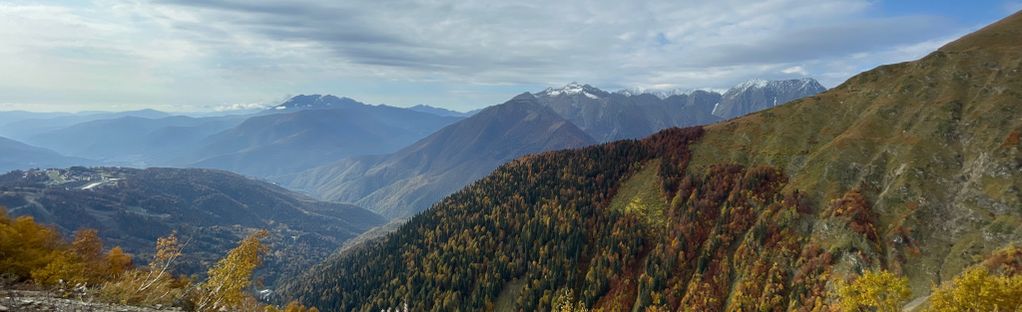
point(211, 209)
point(314, 134)
point(410, 180)
point(933, 144)
point(17, 155)
point(536, 218)
point(912, 168)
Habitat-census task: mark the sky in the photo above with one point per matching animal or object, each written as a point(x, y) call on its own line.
point(223, 55)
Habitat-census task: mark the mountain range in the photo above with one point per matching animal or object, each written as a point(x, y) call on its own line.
point(439, 111)
point(911, 168)
point(757, 95)
point(17, 155)
point(133, 140)
point(631, 114)
point(395, 161)
point(406, 182)
point(284, 143)
point(21, 125)
point(306, 131)
point(300, 133)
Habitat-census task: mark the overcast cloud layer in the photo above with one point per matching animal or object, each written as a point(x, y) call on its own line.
point(194, 55)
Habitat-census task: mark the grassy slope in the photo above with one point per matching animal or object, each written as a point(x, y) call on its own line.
point(932, 143)
point(641, 195)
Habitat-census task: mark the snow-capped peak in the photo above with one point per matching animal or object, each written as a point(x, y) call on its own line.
point(660, 93)
point(573, 88)
point(665, 93)
point(789, 84)
point(754, 83)
point(315, 101)
point(810, 83)
point(801, 83)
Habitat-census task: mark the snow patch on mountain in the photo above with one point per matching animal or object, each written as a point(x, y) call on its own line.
point(660, 93)
point(753, 83)
point(315, 101)
point(573, 88)
point(802, 85)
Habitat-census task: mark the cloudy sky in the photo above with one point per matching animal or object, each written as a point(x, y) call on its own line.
point(204, 55)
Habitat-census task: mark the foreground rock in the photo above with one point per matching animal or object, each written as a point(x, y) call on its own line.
point(37, 301)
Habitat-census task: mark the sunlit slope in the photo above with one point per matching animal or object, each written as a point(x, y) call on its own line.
point(933, 143)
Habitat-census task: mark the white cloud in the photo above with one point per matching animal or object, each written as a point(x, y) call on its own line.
point(796, 70)
point(186, 54)
point(241, 107)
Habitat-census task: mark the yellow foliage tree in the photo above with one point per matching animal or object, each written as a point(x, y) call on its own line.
point(83, 262)
point(65, 267)
point(87, 245)
point(565, 301)
point(228, 279)
point(26, 246)
point(87, 248)
point(31, 250)
point(978, 290)
point(879, 291)
point(117, 262)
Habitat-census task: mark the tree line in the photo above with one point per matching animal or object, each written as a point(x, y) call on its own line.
point(538, 234)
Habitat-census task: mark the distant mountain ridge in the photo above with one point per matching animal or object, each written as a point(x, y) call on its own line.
point(757, 95)
point(315, 101)
point(665, 93)
point(18, 155)
point(301, 132)
point(403, 183)
point(134, 140)
point(284, 143)
point(636, 113)
point(21, 125)
point(437, 111)
point(408, 181)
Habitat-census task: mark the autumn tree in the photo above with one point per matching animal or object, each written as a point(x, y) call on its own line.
point(168, 250)
point(117, 262)
point(87, 245)
point(26, 246)
point(565, 302)
point(978, 290)
point(79, 264)
point(64, 267)
point(880, 291)
point(229, 278)
point(154, 284)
